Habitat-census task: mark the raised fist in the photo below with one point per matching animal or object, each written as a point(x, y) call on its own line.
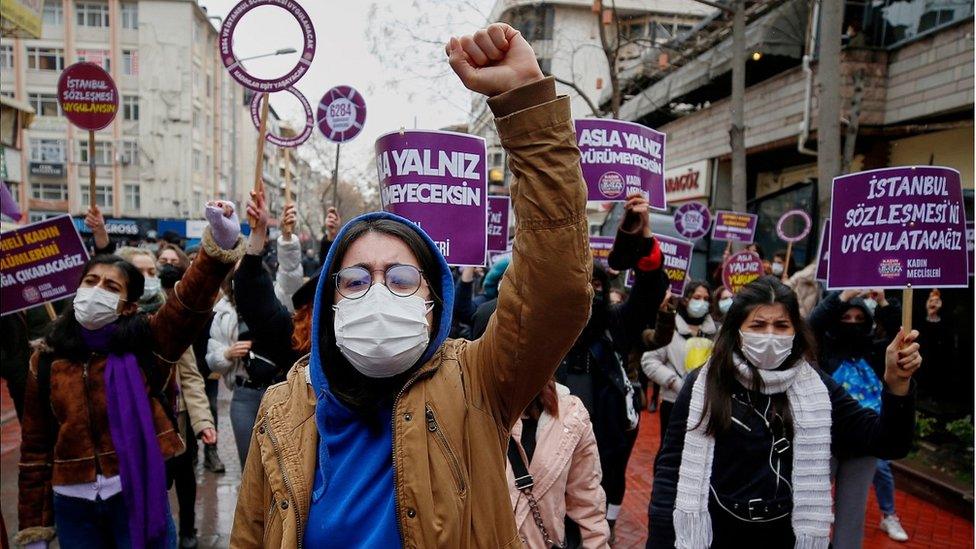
point(493, 60)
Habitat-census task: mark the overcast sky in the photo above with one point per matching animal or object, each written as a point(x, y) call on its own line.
point(402, 78)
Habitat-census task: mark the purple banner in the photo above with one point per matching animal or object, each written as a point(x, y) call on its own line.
point(895, 227)
point(438, 180)
point(621, 158)
point(600, 247)
point(677, 261)
point(823, 256)
point(740, 227)
point(692, 220)
point(40, 262)
point(498, 223)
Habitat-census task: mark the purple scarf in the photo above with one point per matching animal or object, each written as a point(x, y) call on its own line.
point(130, 421)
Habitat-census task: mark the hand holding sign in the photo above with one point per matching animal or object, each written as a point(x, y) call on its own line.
point(493, 60)
point(637, 216)
point(332, 223)
point(902, 359)
point(96, 223)
point(288, 219)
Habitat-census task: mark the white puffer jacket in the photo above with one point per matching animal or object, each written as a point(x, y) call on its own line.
point(666, 365)
point(290, 275)
point(223, 334)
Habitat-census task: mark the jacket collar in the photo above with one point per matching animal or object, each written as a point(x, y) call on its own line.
point(707, 326)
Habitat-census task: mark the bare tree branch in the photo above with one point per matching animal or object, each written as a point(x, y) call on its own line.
point(579, 90)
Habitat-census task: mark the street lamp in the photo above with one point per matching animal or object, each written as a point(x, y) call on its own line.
point(283, 51)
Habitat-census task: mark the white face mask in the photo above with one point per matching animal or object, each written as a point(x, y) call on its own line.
point(151, 288)
point(380, 334)
point(697, 308)
point(96, 307)
point(725, 304)
point(777, 268)
point(766, 351)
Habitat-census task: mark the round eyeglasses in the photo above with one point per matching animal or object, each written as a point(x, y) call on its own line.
point(402, 280)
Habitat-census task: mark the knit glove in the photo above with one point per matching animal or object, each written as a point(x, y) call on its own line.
point(224, 229)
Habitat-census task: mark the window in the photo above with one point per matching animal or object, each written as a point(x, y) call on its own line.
point(103, 153)
point(47, 150)
point(53, 12)
point(103, 195)
point(132, 199)
point(130, 153)
point(130, 15)
point(45, 59)
point(49, 191)
point(209, 85)
point(98, 57)
point(196, 119)
point(45, 104)
point(91, 14)
point(536, 22)
point(130, 62)
point(130, 107)
point(197, 160)
point(6, 57)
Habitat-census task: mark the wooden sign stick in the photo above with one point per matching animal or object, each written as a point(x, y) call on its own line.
point(259, 163)
point(91, 169)
point(786, 263)
point(906, 308)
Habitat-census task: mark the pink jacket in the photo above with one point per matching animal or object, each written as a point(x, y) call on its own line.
point(566, 471)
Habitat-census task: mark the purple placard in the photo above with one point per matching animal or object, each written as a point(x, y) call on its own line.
point(895, 227)
point(438, 180)
point(225, 44)
point(297, 139)
point(740, 227)
point(498, 223)
point(341, 114)
point(740, 270)
point(823, 256)
point(781, 226)
point(677, 261)
point(600, 247)
point(40, 262)
point(621, 158)
point(693, 220)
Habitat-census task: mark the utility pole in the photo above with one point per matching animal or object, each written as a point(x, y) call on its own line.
point(737, 130)
point(828, 123)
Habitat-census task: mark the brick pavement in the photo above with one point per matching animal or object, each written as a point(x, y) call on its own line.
point(925, 523)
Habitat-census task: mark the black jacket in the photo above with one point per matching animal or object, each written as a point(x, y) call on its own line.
point(263, 320)
point(741, 468)
point(832, 351)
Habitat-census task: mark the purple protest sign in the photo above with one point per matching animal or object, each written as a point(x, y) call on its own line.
point(600, 247)
point(692, 220)
point(677, 261)
point(621, 158)
point(741, 269)
point(896, 227)
point(805, 224)
point(823, 256)
point(439, 181)
point(40, 262)
point(295, 140)
point(341, 114)
point(740, 227)
point(233, 65)
point(498, 223)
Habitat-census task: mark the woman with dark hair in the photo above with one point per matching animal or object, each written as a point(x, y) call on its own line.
point(387, 434)
point(747, 452)
point(99, 421)
point(722, 299)
point(553, 444)
point(693, 329)
point(780, 268)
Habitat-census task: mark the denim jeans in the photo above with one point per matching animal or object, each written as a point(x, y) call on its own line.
point(884, 487)
point(99, 524)
point(243, 411)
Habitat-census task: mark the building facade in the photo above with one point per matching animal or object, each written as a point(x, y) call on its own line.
point(183, 133)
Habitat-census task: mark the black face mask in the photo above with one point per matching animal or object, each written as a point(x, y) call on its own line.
point(853, 334)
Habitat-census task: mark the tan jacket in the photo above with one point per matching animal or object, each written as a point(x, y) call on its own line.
point(452, 418)
point(566, 471)
point(193, 394)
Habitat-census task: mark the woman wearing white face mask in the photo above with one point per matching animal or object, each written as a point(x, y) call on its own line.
point(152, 291)
point(98, 421)
point(747, 454)
point(721, 303)
point(668, 366)
point(387, 434)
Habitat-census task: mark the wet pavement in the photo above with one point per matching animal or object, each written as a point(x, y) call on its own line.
point(927, 525)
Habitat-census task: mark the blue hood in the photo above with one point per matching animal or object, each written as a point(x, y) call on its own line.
point(319, 381)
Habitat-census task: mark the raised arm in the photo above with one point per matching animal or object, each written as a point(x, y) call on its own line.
point(545, 297)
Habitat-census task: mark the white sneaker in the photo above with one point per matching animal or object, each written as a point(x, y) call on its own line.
point(892, 526)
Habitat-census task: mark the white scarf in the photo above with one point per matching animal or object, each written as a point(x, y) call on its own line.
point(812, 501)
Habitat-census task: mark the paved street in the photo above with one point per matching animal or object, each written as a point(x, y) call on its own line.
point(217, 494)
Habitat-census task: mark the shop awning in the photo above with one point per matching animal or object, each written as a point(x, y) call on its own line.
point(777, 33)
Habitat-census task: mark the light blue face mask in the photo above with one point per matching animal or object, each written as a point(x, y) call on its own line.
point(697, 308)
point(725, 304)
point(871, 305)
